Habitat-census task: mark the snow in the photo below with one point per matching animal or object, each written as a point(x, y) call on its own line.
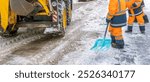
point(147, 6)
point(88, 24)
point(75, 1)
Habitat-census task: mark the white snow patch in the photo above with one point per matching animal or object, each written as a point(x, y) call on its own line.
point(75, 1)
point(147, 6)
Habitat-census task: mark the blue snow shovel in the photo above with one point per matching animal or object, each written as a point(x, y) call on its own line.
point(102, 44)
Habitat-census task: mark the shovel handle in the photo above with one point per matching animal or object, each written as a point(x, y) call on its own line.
point(106, 31)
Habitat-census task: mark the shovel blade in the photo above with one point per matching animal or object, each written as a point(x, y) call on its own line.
point(102, 44)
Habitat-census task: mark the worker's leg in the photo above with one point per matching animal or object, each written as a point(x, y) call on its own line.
point(141, 23)
point(112, 37)
point(116, 36)
point(130, 23)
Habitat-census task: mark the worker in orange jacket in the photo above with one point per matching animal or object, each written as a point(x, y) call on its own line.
point(116, 18)
point(135, 12)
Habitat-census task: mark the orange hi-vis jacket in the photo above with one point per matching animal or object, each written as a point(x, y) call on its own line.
point(117, 13)
point(134, 7)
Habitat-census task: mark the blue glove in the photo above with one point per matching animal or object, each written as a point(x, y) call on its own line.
point(108, 20)
point(134, 5)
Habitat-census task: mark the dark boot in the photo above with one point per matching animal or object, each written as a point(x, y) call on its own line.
point(119, 43)
point(142, 29)
point(129, 30)
point(112, 39)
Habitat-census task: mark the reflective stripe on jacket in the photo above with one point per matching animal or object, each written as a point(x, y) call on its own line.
point(117, 13)
point(134, 7)
point(136, 11)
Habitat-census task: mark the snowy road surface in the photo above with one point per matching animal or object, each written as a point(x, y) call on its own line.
point(74, 49)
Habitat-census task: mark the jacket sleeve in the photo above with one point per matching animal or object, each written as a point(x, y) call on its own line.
point(112, 9)
point(136, 4)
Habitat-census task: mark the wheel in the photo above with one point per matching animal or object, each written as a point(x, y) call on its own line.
point(62, 17)
point(69, 11)
point(11, 31)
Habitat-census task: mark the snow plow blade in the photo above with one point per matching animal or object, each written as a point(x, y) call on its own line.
point(21, 7)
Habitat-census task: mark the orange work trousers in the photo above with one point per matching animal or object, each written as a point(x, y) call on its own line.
point(116, 32)
point(139, 18)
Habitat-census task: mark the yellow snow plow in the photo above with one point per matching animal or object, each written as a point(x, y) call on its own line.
point(54, 15)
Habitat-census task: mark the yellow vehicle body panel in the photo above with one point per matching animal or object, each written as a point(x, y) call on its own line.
point(4, 12)
point(64, 19)
point(44, 3)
